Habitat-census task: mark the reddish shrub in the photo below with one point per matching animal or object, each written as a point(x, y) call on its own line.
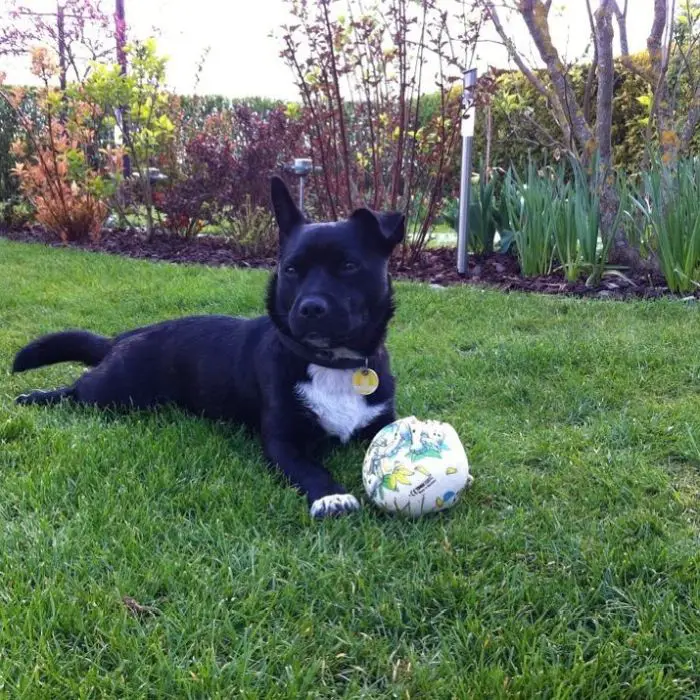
point(228, 165)
point(53, 167)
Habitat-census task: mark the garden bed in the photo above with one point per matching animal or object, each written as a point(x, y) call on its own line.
point(436, 266)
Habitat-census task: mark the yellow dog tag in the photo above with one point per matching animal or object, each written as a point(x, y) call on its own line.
point(365, 381)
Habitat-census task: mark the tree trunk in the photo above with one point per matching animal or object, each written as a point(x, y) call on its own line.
point(621, 252)
point(149, 203)
point(325, 5)
point(609, 199)
point(606, 80)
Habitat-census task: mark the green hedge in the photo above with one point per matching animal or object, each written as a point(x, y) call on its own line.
point(196, 108)
point(520, 120)
point(8, 133)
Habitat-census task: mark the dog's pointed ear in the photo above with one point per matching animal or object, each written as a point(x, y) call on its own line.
point(390, 225)
point(393, 226)
point(287, 214)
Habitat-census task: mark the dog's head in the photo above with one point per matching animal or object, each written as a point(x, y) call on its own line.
point(332, 287)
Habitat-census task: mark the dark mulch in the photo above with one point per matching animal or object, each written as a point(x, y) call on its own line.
point(437, 267)
point(205, 250)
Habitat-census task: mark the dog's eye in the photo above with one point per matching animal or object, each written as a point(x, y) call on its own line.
point(290, 270)
point(349, 267)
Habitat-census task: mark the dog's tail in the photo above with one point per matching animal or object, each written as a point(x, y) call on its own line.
point(68, 346)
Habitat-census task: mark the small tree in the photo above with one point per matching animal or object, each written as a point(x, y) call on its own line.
point(671, 67)
point(224, 169)
point(585, 130)
point(362, 71)
point(79, 32)
point(137, 105)
point(54, 168)
point(581, 135)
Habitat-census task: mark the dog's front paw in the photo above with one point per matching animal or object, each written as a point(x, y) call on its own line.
point(34, 397)
point(334, 505)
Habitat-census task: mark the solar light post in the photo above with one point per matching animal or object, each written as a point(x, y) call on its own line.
point(302, 167)
point(468, 119)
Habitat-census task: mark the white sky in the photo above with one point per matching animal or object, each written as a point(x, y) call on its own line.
point(244, 61)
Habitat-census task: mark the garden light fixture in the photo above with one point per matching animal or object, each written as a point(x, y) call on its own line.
point(468, 118)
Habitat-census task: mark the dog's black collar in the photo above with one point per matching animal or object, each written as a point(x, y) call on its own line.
point(333, 358)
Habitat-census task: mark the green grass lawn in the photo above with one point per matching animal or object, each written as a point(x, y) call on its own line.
point(570, 570)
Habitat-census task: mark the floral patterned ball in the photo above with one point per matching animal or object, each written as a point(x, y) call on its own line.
point(415, 467)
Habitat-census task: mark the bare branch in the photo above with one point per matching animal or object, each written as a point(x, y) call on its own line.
point(606, 75)
point(655, 39)
point(592, 67)
point(692, 121)
point(687, 62)
point(534, 13)
point(533, 79)
point(512, 51)
point(621, 16)
point(544, 136)
point(668, 44)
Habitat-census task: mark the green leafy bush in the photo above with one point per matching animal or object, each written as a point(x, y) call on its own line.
point(578, 244)
point(670, 204)
point(251, 230)
point(53, 165)
point(136, 103)
point(16, 213)
point(488, 213)
point(532, 213)
point(482, 215)
point(9, 131)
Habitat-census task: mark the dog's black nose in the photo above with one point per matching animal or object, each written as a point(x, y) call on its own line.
point(313, 308)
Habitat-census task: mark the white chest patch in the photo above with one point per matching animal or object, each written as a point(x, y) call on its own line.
point(331, 397)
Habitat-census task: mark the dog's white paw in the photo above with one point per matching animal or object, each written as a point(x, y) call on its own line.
point(333, 505)
point(26, 399)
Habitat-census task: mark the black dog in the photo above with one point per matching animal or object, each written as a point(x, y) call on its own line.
point(289, 374)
